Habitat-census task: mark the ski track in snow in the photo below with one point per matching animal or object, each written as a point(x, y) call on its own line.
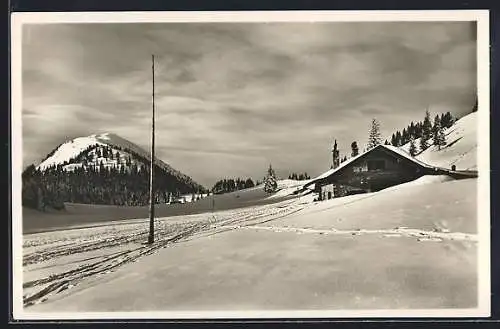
point(421, 235)
point(49, 247)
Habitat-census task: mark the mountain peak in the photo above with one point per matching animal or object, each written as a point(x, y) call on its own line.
point(72, 148)
point(68, 150)
point(68, 153)
point(106, 158)
point(103, 168)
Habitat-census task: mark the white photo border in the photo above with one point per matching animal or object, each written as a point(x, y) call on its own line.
point(481, 17)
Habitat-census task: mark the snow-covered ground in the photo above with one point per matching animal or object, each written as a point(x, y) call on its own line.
point(287, 187)
point(410, 246)
point(432, 203)
point(413, 246)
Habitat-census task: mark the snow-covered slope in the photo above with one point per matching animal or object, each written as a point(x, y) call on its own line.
point(88, 152)
point(65, 153)
point(287, 187)
point(70, 149)
point(290, 183)
point(460, 149)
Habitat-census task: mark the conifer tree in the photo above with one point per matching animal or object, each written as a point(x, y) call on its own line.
point(411, 130)
point(374, 138)
point(427, 126)
point(249, 183)
point(437, 122)
point(438, 137)
point(423, 143)
point(398, 138)
point(435, 128)
point(354, 149)
point(270, 184)
point(426, 131)
point(441, 138)
point(404, 137)
point(393, 140)
point(447, 120)
point(413, 148)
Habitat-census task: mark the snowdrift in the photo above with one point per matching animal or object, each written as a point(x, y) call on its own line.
point(428, 179)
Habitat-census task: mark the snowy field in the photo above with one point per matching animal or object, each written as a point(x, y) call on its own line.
point(414, 246)
point(84, 215)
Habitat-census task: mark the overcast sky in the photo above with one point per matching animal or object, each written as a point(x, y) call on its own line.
point(232, 98)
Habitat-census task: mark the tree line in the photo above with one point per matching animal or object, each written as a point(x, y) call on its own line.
point(302, 176)
point(124, 184)
point(428, 132)
point(425, 130)
point(227, 185)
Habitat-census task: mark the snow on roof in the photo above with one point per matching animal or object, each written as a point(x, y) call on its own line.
point(342, 165)
point(392, 148)
point(406, 155)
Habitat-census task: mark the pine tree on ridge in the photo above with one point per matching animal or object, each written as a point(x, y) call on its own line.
point(374, 137)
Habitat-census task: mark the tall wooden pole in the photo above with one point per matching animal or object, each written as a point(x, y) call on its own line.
point(151, 237)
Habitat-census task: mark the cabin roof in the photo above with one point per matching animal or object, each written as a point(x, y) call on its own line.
point(391, 148)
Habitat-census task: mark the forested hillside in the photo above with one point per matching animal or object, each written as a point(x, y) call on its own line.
point(101, 174)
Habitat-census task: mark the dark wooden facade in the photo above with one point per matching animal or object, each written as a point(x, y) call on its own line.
point(373, 171)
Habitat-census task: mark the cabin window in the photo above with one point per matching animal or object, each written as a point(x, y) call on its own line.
point(360, 168)
point(376, 165)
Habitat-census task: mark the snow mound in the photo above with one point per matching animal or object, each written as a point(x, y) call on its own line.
point(287, 187)
point(289, 183)
point(428, 179)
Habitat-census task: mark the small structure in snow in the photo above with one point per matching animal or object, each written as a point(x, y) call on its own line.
point(378, 168)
